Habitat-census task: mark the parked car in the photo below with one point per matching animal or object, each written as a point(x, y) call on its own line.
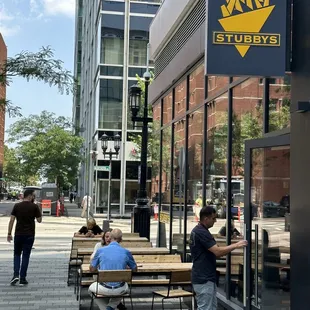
point(273, 209)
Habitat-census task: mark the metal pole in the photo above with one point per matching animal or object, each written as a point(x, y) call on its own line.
point(110, 189)
point(142, 212)
point(228, 188)
point(180, 192)
point(96, 185)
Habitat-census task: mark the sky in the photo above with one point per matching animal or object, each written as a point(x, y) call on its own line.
point(27, 25)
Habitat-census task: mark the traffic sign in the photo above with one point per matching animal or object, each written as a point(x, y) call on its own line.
point(102, 168)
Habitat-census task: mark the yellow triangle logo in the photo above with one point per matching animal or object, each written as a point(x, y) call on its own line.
point(248, 22)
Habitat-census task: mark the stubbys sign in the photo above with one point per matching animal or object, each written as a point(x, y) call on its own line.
point(246, 37)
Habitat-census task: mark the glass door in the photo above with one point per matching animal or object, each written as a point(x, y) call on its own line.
point(267, 217)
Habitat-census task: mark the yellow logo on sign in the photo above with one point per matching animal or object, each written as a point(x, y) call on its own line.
point(243, 29)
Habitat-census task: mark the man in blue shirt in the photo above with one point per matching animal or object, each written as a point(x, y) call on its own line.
point(112, 257)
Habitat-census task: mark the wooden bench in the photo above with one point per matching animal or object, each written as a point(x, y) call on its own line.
point(77, 243)
point(141, 259)
point(145, 259)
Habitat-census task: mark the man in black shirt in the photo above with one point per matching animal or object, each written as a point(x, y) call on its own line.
point(25, 213)
point(204, 252)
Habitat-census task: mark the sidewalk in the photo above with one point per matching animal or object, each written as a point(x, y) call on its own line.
point(47, 273)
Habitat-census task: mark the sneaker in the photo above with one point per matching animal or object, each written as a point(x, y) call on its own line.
point(14, 280)
point(23, 282)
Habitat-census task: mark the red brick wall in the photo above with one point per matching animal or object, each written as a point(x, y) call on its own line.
point(3, 57)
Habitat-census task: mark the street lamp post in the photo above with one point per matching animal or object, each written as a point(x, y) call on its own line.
point(104, 146)
point(142, 212)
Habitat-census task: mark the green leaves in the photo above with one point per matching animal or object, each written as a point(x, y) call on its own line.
point(48, 147)
point(40, 66)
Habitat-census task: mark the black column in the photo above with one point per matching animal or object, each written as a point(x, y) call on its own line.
point(300, 159)
point(142, 212)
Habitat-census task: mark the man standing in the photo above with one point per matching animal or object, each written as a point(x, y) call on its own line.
point(204, 252)
point(86, 205)
point(112, 257)
point(25, 213)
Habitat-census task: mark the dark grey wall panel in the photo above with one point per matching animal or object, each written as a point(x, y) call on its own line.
point(192, 50)
point(300, 160)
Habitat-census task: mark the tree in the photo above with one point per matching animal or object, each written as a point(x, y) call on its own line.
point(14, 170)
point(40, 66)
point(247, 126)
point(48, 147)
point(153, 148)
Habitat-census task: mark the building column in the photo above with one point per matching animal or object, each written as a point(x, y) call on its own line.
point(125, 109)
point(300, 158)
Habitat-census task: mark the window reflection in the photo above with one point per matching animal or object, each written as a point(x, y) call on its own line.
point(216, 187)
point(110, 104)
point(165, 179)
point(155, 136)
point(180, 99)
point(138, 40)
point(196, 86)
point(178, 202)
point(270, 201)
point(279, 103)
point(112, 39)
point(167, 108)
point(194, 183)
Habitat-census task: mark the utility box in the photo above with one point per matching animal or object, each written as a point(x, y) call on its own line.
point(49, 191)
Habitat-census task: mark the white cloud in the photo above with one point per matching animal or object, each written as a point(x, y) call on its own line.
point(34, 6)
point(9, 31)
point(55, 7)
point(7, 28)
point(5, 16)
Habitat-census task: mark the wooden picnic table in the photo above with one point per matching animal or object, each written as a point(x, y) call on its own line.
point(134, 251)
point(151, 267)
point(125, 239)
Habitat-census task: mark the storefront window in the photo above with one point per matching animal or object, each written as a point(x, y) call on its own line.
point(194, 182)
point(270, 206)
point(165, 182)
point(167, 108)
point(279, 103)
point(216, 83)
point(247, 120)
point(178, 203)
point(155, 136)
point(217, 119)
point(180, 99)
point(157, 111)
point(196, 87)
point(247, 124)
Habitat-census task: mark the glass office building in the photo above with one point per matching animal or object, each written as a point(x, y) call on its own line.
point(223, 141)
point(111, 49)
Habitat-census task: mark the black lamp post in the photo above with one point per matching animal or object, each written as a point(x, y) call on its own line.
point(117, 146)
point(142, 212)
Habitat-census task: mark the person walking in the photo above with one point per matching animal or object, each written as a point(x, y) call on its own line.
point(86, 204)
point(204, 251)
point(25, 213)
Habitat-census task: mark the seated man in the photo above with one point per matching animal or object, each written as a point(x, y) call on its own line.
point(112, 257)
point(234, 231)
point(91, 230)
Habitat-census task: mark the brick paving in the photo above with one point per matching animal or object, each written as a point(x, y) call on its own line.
point(47, 272)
